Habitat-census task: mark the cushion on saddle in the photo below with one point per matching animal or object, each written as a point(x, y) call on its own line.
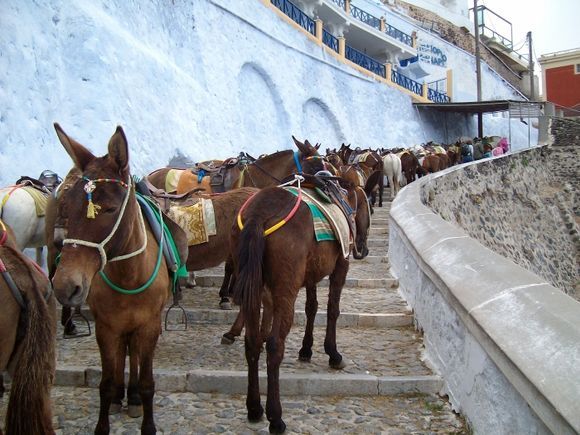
point(189, 181)
point(40, 199)
point(324, 214)
point(197, 220)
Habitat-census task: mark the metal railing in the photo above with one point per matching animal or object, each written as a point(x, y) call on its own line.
point(329, 40)
point(341, 3)
point(296, 14)
point(364, 61)
point(365, 17)
point(393, 32)
point(406, 82)
point(437, 97)
point(438, 85)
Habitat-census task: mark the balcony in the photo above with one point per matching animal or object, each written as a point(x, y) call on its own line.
point(364, 32)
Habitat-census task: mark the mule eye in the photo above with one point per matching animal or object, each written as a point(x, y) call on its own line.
point(109, 210)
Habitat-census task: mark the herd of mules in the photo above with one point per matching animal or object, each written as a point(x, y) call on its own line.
point(100, 221)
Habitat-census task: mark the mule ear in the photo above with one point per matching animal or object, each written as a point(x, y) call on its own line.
point(309, 149)
point(77, 152)
point(299, 144)
point(119, 150)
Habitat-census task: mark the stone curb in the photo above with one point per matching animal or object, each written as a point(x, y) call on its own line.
point(235, 382)
point(216, 281)
point(227, 317)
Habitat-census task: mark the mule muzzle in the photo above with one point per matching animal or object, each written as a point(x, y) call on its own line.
point(71, 289)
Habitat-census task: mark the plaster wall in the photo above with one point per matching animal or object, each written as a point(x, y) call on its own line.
point(205, 79)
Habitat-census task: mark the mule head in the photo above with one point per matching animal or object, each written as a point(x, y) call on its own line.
point(88, 213)
point(311, 160)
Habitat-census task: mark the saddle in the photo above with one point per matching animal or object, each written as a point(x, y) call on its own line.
point(33, 182)
point(216, 173)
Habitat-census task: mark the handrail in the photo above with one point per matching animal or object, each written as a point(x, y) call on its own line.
point(297, 15)
point(365, 61)
point(329, 40)
point(341, 3)
point(406, 82)
point(437, 97)
point(393, 32)
point(365, 17)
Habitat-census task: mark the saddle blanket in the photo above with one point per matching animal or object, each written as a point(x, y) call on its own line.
point(182, 181)
point(40, 198)
point(197, 220)
point(331, 213)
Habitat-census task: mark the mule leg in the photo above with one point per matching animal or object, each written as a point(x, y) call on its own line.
point(190, 280)
point(2, 389)
point(337, 279)
point(275, 346)
point(108, 347)
point(118, 379)
point(305, 353)
point(134, 403)
point(67, 322)
point(235, 331)
point(253, 347)
point(381, 188)
point(225, 288)
point(145, 342)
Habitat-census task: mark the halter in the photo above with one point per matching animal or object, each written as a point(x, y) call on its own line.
point(298, 179)
point(89, 188)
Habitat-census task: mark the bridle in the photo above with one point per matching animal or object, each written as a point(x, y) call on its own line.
point(92, 209)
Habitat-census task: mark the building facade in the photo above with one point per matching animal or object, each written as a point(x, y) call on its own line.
point(561, 80)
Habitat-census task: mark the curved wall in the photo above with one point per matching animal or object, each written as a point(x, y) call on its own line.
point(505, 341)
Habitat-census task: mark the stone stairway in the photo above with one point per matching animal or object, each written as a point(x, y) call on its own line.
point(201, 383)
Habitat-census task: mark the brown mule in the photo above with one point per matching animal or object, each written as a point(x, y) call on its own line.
point(27, 340)
point(271, 270)
point(270, 170)
point(109, 250)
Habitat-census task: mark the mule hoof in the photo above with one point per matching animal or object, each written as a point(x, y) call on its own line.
point(255, 415)
point(303, 358)
point(337, 365)
point(225, 305)
point(115, 408)
point(70, 329)
point(135, 411)
point(228, 339)
point(277, 427)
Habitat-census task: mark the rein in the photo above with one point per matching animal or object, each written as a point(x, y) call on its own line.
point(297, 178)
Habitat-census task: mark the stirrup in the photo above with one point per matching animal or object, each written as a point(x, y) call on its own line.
point(84, 332)
point(176, 306)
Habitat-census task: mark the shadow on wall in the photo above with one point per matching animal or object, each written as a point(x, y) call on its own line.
point(264, 120)
point(320, 125)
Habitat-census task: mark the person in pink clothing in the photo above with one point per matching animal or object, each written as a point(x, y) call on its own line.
point(503, 143)
point(497, 151)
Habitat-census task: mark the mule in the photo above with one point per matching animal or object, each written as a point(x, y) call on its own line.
point(272, 269)
point(103, 235)
point(270, 170)
point(28, 339)
point(263, 172)
point(392, 169)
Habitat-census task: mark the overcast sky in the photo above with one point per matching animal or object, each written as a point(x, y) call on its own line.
point(554, 24)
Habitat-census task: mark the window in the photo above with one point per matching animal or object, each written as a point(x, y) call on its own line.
point(577, 69)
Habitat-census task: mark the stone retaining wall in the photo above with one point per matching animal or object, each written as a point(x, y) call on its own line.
point(505, 341)
point(517, 207)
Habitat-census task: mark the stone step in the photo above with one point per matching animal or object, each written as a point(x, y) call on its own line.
point(216, 280)
point(376, 230)
point(379, 221)
point(379, 361)
point(75, 411)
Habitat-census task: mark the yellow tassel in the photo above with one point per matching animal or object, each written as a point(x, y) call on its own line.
point(92, 210)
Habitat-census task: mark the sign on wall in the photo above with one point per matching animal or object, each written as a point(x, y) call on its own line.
point(430, 54)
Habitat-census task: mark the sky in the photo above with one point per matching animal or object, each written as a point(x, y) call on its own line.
point(553, 23)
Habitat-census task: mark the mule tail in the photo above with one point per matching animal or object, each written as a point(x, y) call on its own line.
point(249, 282)
point(29, 409)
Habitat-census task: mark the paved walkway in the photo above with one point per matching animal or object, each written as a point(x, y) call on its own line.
point(387, 387)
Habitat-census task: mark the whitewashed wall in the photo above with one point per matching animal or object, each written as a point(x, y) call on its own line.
point(207, 77)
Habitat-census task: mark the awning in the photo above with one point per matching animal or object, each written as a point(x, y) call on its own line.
point(517, 109)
